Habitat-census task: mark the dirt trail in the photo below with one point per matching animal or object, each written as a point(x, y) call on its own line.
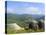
point(14, 25)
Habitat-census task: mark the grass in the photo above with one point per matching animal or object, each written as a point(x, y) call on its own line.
point(13, 31)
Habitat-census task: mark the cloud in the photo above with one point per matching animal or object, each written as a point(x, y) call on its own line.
point(25, 10)
point(32, 10)
point(10, 10)
point(29, 10)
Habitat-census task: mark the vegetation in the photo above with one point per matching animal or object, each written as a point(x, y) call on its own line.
point(21, 20)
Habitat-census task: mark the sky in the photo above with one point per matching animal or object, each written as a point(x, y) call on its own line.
point(17, 7)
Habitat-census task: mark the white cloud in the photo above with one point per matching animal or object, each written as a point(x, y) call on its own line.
point(32, 10)
point(10, 10)
point(27, 10)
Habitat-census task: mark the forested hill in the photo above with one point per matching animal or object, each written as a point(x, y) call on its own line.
point(26, 15)
point(21, 19)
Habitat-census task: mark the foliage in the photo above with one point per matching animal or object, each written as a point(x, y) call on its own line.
point(21, 20)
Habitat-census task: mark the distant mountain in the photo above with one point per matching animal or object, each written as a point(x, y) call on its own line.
point(38, 16)
point(21, 19)
point(27, 15)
